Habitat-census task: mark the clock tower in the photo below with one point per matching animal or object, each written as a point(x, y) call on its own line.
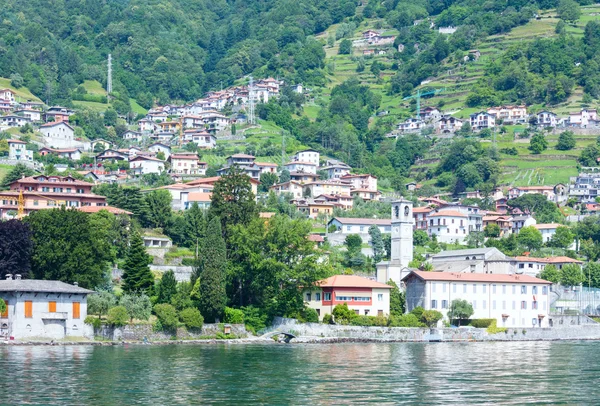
point(401, 242)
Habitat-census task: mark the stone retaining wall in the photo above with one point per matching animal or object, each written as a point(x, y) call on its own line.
point(182, 273)
point(140, 332)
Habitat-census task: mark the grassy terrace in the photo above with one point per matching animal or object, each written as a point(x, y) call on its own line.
point(22, 94)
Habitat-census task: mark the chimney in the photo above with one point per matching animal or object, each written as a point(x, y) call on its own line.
point(17, 277)
point(9, 277)
point(75, 283)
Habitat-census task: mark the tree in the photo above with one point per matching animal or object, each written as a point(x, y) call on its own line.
point(568, 10)
point(589, 156)
point(167, 288)
point(397, 300)
point(475, 239)
point(376, 243)
point(538, 144)
point(232, 200)
point(539, 206)
point(550, 273)
point(566, 141)
point(159, 208)
point(17, 172)
point(562, 238)
point(16, 248)
point(117, 316)
point(2, 306)
point(284, 176)
point(137, 276)
point(345, 47)
point(591, 273)
point(212, 276)
point(192, 318)
point(530, 237)
point(16, 80)
point(571, 275)
point(110, 117)
point(420, 238)
point(431, 317)
point(167, 316)
point(492, 230)
point(66, 248)
point(267, 180)
point(353, 242)
point(100, 302)
point(375, 69)
point(459, 310)
point(138, 306)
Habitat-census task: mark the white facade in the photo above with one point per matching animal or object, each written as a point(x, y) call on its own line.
point(513, 300)
point(309, 155)
point(546, 119)
point(43, 309)
point(448, 226)
point(297, 166)
point(13, 121)
point(58, 135)
point(146, 125)
point(132, 136)
point(144, 165)
point(547, 230)
point(401, 242)
point(7, 94)
point(17, 151)
point(158, 147)
point(482, 120)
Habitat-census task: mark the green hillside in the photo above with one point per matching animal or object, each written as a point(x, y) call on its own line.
point(22, 93)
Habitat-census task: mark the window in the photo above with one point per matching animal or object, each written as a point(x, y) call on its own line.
point(76, 310)
point(327, 296)
point(484, 305)
point(433, 286)
point(504, 305)
point(494, 289)
point(474, 288)
point(504, 289)
point(493, 305)
point(484, 289)
point(319, 312)
point(36, 202)
point(514, 289)
point(544, 290)
point(52, 307)
point(380, 297)
point(356, 311)
point(523, 305)
point(444, 304)
point(464, 288)
point(380, 313)
point(454, 288)
point(308, 297)
point(530, 265)
point(443, 287)
point(534, 305)
point(318, 297)
point(474, 304)
point(28, 309)
point(434, 304)
point(514, 306)
point(534, 290)
point(366, 312)
point(523, 290)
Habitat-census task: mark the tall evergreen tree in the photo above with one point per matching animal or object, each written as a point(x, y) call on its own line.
point(168, 287)
point(212, 275)
point(158, 204)
point(376, 243)
point(194, 227)
point(136, 273)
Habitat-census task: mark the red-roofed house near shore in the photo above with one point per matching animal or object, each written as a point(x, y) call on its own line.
point(513, 300)
point(365, 296)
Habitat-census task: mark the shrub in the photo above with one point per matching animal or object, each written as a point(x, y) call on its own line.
point(117, 316)
point(254, 318)
point(418, 312)
point(431, 317)
point(167, 316)
point(93, 321)
point(343, 315)
point(327, 319)
point(311, 315)
point(192, 318)
point(405, 320)
point(494, 329)
point(481, 323)
point(234, 316)
point(379, 321)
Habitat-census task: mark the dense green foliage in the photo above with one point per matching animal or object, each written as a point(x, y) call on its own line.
point(213, 267)
point(137, 276)
point(460, 309)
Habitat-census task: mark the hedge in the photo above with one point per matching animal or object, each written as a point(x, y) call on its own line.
point(481, 323)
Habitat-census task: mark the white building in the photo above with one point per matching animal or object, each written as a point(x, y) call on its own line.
point(347, 225)
point(132, 136)
point(295, 189)
point(337, 169)
point(48, 309)
point(58, 135)
point(513, 300)
point(510, 114)
point(583, 119)
point(204, 140)
point(142, 165)
point(547, 230)
point(7, 94)
point(362, 295)
point(402, 244)
point(31, 114)
point(187, 164)
point(533, 266)
point(474, 260)
point(308, 155)
point(546, 119)
point(147, 125)
point(300, 166)
point(448, 226)
point(160, 147)
point(482, 120)
point(11, 120)
point(17, 151)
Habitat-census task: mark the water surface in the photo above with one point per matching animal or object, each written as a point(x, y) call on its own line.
point(398, 373)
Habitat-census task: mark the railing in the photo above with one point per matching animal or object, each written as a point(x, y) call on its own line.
point(55, 315)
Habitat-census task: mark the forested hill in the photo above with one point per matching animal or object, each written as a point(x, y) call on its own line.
point(164, 49)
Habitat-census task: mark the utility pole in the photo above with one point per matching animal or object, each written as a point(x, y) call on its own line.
point(251, 102)
point(109, 78)
point(282, 148)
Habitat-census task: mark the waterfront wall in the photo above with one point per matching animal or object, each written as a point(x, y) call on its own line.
point(315, 331)
point(141, 332)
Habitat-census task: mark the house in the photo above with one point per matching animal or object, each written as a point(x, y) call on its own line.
point(429, 113)
point(8, 95)
point(547, 230)
point(295, 189)
point(363, 181)
point(448, 124)
point(58, 113)
point(370, 34)
point(366, 194)
point(420, 217)
point(447, 30)
point(298, 166)
point(17, 151)
point(510, 114)
point(312, 208)
point(142, 165)
point(546, 119)
point(187, 164)
point(112, 155)
point(518, 221)
point(344, 226)
point(547, 191)
point(583, 119)
point(169, 126)
point(303, 177)
point(585, 187)
point(328, 187)
point(367, 52)
point(503, 221)
point(336, 170)
point(157, 116)
point(533, 266)
point(472, 55)
point(343, 202)
point(31, 114)
point(147, 125)
point(13, 120)
point(410, 125)
point(448, 226)
point(58, 135)
point(43, 308)
point(204, 140)
point(46, 192)
point(364, 296)
point(100, 145)
point(67, 153)
point(308, 155)
point(160, 147)
point(135, 136)
point(266, 167)
point(202, 199)
point(252, 170)
point(240, 159)
point(212, 180)
point(513, 300)
point(95, 209)
point(482, 120)
point(474, 260)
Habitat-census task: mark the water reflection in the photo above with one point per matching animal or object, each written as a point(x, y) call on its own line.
point(404, 373)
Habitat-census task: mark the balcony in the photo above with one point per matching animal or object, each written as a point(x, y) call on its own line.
point(55, 316)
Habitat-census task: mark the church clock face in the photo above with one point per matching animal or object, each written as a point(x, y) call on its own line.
point(406, 210)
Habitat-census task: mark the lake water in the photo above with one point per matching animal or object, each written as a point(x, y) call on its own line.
point(398, 373)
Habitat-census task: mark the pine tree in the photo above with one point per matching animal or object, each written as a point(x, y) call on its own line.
point(168, 287)
point(194, 227)
point(136, 273)
point(212, 275)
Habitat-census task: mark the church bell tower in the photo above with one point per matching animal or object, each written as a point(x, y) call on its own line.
point(402, 233)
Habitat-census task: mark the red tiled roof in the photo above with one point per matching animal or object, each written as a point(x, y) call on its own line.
point(190, 157)
point(422, 210)
point(551, 260)
point(16, 142)
point(265, 164)
point(349, 220)
point(350, 281)
point(110, 209)
point(449, 213)
point(474, 277)
point(316, 238)
point(199, 197)
point(32, 179)
point(547, 226)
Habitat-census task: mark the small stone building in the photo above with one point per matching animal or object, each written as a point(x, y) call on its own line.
point(43, 309)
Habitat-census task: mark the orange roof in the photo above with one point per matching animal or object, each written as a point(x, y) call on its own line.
point(265, 164)
point(350, 281)
point(110, 209)
point(450, 213)
point(316, 238)
point(199, 197)
point(547, 226)
point(16, 142)
point(496, 218)
point(474, 277)
point(212, 180)
point(181, 156)
point(534, 188)
point(551, 260)
point(422, 209)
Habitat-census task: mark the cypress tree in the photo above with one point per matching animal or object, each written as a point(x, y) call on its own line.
point(168, 287)
point(212, 274)
point(136, 273)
